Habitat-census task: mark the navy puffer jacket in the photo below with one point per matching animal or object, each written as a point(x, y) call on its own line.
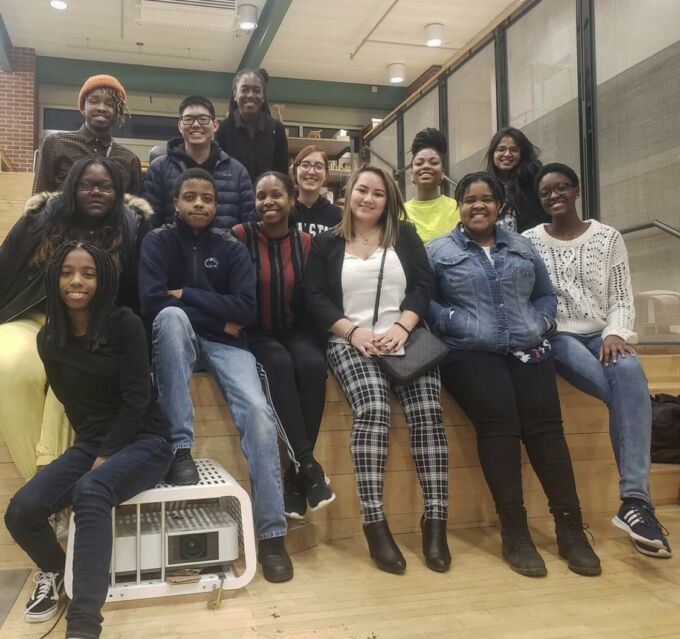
point(235, 202)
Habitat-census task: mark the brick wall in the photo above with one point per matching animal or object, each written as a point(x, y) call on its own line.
point(18, 91)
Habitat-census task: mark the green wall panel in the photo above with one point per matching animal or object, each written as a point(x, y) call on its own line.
point(217, 84)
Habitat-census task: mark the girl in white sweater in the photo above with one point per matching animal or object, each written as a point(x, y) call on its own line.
point(588, 265)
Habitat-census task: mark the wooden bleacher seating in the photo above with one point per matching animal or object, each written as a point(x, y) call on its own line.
point(585, 420)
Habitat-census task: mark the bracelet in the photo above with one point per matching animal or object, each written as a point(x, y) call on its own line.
point(350, 332)
point(400, 325)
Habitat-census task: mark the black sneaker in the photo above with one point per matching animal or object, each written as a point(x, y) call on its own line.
point(294, 497)
point(276, 564)
point(44, 602)
point(318, 492)
point(637, 519)
point(183, 471)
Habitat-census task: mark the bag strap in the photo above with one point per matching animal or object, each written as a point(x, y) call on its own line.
point(380, 279)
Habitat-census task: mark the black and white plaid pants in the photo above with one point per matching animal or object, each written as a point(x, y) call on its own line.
point(367, 390)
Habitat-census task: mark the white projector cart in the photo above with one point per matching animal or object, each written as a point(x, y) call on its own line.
point(215, 482)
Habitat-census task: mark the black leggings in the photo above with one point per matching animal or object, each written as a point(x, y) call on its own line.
point(295, 364)
point(508, 401)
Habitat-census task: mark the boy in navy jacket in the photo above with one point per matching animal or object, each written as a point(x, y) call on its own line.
point(197, 289)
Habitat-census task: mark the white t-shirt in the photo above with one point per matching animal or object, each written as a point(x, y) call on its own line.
point(360, 285)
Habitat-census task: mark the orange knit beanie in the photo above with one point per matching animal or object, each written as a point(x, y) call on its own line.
point(99, 82)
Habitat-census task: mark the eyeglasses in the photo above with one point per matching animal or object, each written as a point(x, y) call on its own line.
point(500, 150)
point(104, 187)
point(308, 166)
point(201, 119)
point(560, 189)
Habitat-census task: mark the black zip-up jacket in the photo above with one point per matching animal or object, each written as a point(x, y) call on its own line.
point(214, 271)
point(323, 276)
point(22, 283)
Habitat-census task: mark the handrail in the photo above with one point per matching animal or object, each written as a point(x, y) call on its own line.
point(658, 224)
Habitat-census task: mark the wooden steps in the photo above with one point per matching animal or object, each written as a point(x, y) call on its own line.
point(15, 189)
point(586, 427)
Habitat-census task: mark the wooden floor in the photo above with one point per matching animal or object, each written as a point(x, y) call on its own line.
point(337, 593)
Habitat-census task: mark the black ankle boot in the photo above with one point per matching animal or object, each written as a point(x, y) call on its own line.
point(573, 545)
point(518, 548)
point(435, 544)
point(383, 549)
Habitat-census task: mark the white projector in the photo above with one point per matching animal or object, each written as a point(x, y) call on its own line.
point(199, 535)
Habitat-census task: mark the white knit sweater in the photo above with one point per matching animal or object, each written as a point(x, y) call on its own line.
point(592, 279)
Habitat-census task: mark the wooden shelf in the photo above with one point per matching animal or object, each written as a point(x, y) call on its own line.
point(334, 148)
point(336, 176)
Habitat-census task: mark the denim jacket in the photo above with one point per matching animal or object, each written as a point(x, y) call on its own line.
point(503, 307)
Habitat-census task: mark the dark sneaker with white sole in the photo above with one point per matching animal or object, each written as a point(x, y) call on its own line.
point(294, 494)
point(44, 602)
point(636, 518)
point(318, 492)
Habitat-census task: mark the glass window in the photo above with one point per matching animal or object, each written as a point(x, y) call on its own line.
point(638, 102)
point(138, 127)
point(543, 80)
point(472, 112)
point(384, 148)
point(422, 114)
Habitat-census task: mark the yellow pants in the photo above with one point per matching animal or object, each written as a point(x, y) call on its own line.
point(32, 420)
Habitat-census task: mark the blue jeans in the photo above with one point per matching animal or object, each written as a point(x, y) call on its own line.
point(177, 351)
point(623, 388)
point(93, 493)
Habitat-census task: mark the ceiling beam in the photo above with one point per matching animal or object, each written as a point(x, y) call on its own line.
point(213, 84)
point(267, 25)
point(5, 48)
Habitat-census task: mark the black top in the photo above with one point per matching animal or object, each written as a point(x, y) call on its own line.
point(321, 216)
point(267, 151)
point(522, 194)
point(107, 393)
point(22, 282)
point(323, 276)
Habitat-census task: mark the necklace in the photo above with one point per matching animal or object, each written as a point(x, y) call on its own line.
point(365, 239)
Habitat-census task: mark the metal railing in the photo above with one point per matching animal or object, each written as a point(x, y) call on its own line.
point(654, 224)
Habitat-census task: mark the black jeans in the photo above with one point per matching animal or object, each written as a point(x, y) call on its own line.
point(69, 480)
point(508, 402)
point(295, 364)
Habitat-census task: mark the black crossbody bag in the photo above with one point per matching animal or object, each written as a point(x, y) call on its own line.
point(423, 351)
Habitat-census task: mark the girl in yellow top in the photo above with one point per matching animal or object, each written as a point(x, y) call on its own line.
point(433, 213)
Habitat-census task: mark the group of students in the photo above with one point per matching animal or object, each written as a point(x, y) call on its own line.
point(230, 266)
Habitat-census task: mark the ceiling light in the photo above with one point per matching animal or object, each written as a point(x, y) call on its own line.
point(434, 35)
point(247, 17)
point(397, 72)
point(59, 5)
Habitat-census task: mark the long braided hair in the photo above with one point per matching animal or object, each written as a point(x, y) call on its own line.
point(63, 222)
point(58, 326)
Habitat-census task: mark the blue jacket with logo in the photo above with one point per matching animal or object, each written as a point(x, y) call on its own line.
point(214, 271)
point(477, 306)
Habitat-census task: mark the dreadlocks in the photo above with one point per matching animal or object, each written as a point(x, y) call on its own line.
point(120, 107)
point(58, 326)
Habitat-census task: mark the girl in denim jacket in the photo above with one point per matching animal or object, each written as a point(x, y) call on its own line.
point(493, 305)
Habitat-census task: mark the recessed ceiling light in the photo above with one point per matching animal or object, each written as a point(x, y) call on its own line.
point(247, 17)
point(434, 35)
point(59, 5)
point(397, 72)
